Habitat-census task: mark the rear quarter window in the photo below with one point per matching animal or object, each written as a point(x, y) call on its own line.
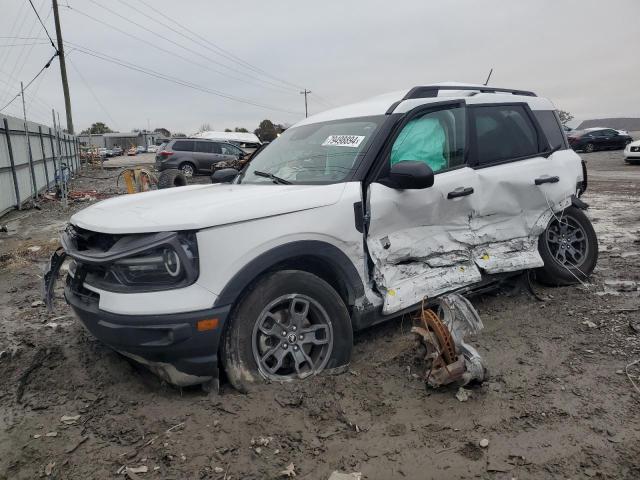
point(183, 146)
point(551, 127)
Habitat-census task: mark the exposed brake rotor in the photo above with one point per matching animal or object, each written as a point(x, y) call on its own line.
point(448, 358)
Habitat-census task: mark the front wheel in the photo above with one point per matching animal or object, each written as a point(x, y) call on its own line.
point(568, 247)
point(290, 326)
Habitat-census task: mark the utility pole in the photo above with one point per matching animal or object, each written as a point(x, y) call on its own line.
point(34, 186)
point(305, 93)
point(63, 68)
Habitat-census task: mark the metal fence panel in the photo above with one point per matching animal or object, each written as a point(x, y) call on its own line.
point(34, 169)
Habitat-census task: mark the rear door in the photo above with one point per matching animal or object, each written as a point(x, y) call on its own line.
point(418, 239)
point(519, 187)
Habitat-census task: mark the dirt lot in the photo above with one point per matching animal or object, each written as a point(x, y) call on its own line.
point(558, 403)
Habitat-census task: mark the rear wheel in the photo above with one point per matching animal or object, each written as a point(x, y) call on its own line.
point(589, 147)
point(188, 169)
point(568, 247)
point(290, 326)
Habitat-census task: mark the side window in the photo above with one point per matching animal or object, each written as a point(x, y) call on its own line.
point(229, 149)
point(204, 147)
point(503, 132)
point(551, 127)
point(183, 146)
point(435, 138)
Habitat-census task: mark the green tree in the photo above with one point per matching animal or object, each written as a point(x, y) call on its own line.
point(228, 130)
point(97, 128)
point(241, 130)
point(266, 131)
point(565, 117)
point(162, 131)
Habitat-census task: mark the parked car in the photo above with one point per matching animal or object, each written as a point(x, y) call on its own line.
point(195, 155)
point(632, 152)
point(598, 139)
point(132, 151)
point(152, 149)
point(351, 217)
point(105, 152)
point(117, 151)
point(141, 149)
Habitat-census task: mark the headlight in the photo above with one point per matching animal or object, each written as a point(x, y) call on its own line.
point(140, 263)
point(174, 265)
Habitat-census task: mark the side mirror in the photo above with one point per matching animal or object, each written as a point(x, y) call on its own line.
point(409, 175)
point(224, 175)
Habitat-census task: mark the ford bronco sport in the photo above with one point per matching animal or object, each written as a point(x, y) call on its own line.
point(350, 217)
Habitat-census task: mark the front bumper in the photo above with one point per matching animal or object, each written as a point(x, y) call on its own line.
point(634, 154)
point(169, 345)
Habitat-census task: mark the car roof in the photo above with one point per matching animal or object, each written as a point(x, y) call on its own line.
point(401, 101)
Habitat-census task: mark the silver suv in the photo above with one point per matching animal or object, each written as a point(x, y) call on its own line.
point(195, 155)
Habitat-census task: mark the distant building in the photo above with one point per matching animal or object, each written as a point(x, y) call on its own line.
point(120, 139)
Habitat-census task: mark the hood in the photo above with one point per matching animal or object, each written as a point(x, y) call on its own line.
point(201, 206)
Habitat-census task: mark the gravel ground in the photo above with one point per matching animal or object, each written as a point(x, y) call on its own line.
point(558, 403)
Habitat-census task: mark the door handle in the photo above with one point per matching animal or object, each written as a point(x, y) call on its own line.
point(460, 192)
point(541, 180)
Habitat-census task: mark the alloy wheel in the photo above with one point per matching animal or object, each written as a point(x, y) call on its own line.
point(187, 170)
point(292, 338)
point(567, 241)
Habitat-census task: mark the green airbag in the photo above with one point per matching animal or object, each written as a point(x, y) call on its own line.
point(423, 140)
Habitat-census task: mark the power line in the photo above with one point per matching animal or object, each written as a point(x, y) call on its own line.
point(208, 44)
point(86, 84)
point(33, 79)
point(209, 59)
point(43, 26)
point(23, 44)
point(175, 80)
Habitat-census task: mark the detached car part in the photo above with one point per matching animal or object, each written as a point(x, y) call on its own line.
point(441, 332)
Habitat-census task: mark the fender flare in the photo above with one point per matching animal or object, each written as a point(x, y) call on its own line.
point(576, 202)
point(334, 258)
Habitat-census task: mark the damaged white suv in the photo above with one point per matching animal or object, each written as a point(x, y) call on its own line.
point(350, 217)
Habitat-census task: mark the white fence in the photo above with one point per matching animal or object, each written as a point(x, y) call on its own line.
point(24, 171)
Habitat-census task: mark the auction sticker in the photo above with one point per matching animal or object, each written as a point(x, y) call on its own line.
point(352, 141)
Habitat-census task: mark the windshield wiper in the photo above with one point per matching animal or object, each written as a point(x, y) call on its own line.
point(275, 179)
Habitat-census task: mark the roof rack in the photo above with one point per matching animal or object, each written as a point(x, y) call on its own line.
point(432, 91)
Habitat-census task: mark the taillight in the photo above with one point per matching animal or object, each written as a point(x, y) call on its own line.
point(166, 153)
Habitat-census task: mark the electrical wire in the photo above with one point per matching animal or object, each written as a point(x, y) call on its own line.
point(175, 80)
point(32, 80)
point(43, 26)
point(23, 44)
point(154, 45)
point(86, 84)
point(212, 47)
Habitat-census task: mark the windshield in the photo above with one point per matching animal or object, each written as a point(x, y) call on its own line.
point(326, 152)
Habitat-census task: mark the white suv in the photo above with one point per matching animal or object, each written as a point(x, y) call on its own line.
point(349, 218)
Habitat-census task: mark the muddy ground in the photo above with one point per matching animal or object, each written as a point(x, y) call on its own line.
point(558, 403)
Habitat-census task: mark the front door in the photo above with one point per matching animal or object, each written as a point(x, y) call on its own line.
point(418, 239)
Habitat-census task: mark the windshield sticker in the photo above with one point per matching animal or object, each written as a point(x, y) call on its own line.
point(352, 141)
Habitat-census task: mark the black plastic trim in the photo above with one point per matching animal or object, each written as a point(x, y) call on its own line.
point(329, 254)
point(433, 90)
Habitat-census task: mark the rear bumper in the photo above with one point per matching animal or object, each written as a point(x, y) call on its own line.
point(169, 345)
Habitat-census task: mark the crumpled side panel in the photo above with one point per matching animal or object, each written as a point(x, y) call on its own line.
point(429, 260)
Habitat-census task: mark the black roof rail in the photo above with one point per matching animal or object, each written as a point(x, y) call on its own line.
point(432, 91)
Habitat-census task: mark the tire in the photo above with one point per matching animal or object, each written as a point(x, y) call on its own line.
point(555, 245)
point(252, 334)
point(589, 147)
point(188, 169)
point(171, 178)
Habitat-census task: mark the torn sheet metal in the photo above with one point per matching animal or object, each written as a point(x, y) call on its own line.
point(423, 244)
point(442, 333)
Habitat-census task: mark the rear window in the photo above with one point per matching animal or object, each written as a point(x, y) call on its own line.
point(183, 146)
point(503, 133)
point(551, 128)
